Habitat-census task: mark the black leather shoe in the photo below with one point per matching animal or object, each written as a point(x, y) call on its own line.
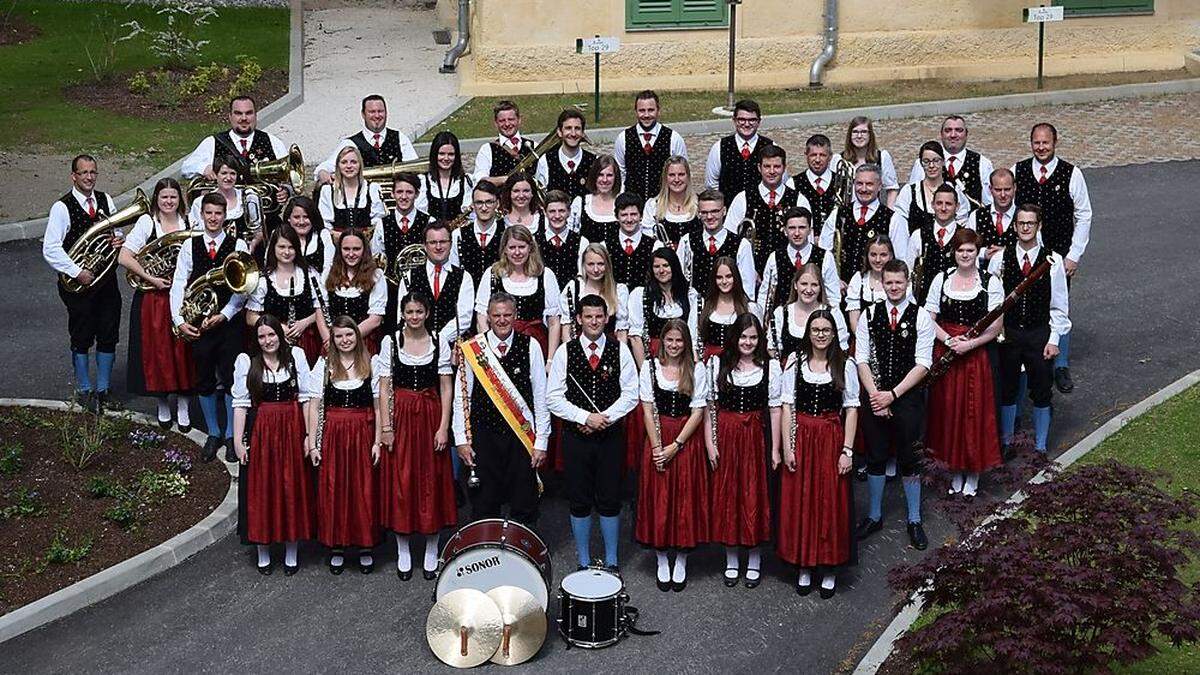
point(803, 590)
point(1062, 380)
point(916, 536)
point(209, 453)
point(230, 453)
point(290, 570)
point(868, 527)
point(678, 586)
point(429, 575)
point(185, 428)
point(827, 593)
point(730, 583)
point(165, 425)
point(366, 568)
point(753, 583)
point(95, 403)
point(336, 569)
point(103, 403)
point(663, 586)
point(266, 570)
point(404, 575)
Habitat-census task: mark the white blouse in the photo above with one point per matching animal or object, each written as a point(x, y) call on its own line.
point(146, 230)
point(650, 216)
point(749, 378)
point(372, 197)
point(376, 301)
point(995, 292)
point(797, 329)
point(578, 207)
point(233, 210)
point(241, 367)
point(318, 380)
point(255, 303)
point(521, 288)
point(382, 362)
point(850, 394)
point(699, 384)
point(636, 311)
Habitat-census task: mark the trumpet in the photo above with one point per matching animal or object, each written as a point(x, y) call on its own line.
point(158, 258)
point(93, 250)
point(265, 179)
point(238, 273)
point(384, 175)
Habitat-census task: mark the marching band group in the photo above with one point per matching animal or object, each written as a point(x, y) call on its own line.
point(577, 318)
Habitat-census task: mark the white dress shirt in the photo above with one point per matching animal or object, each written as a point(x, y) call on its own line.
point(241, 368)
point(464, 305)
point(915, 241)
point(985, 171)
point(712, 166)
point(826, 241)
point(829, 274)
point(899, 226)
point(537, 377)
point(925, 333)
point(1083, 206)
point(744, 256)
point(567, 299)
point(483, 159)
point(646, 385)
point(183, 270)
point(542, 172)
point(377, 238)
point(551, 292)
point(202, 157)
point(1007, 218)
point(671, 310)
point(371, 197)
point(57, 226)
point(556, 392)
point(825, 178)
point(1060, 322)
point(678, 147)
point(737, 208)
point(492, 231)
point(787, 393)
point(407, 151)
point(796, 328)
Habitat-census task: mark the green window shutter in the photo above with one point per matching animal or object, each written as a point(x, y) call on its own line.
point(655, 14)
point(1105, 7)
point(703, 12)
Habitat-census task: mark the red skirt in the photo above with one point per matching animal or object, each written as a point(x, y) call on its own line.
point(814, 501)
point(672, 505)
point(373, 339)
point(347, 506)
point(710, 350)
point(741, 509)
point(535, 329)
point(635, 438)
point(166, 360)
point(280, 500)
point(310, 342)
point(962, 418)
point(416, 484)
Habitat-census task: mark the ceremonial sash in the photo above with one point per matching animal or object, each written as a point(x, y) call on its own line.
point(500, 389)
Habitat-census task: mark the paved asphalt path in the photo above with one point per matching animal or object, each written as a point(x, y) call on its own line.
point(1135, 331)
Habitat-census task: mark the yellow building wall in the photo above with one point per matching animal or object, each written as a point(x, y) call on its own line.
point(528, 46)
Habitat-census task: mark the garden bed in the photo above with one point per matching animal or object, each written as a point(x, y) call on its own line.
point(79, 495)
point(14, 30)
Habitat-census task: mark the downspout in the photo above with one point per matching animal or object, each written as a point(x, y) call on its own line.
point(464, 36)
point(830, 49)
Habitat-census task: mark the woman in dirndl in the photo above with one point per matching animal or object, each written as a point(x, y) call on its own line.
point(521, 273)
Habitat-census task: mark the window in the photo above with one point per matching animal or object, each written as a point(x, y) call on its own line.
point(1105, 7)
point(658, 14)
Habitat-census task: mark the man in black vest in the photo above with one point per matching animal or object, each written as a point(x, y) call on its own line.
point(497, 159)
point(477, 247)
point(732, 165)
point(929, 245)
point(817, 183)
point(451, 288)
point(780, 270)
point(1034, 328)
point(962, 167)
point(402, 227)
point(995, 223)
point(894, 349)
point(697, 254)
point(593, 385)
point(629, 248)
point(561, 247)
point(643, 149)
point(94, 315)
point(765, 204)
point(859, 222)
point(506, 470)
point(377, 143)
point(217, 340)
point(568, 168)
point(1057, 186)
point(243, 141)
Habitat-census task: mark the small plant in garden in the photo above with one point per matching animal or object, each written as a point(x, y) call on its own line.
point(82, 443)
point(30, 418)
point(11, 460)
point(138, 83)
point(176, 43)
point(99, 487)
point(125, 512)
point(100, 47)
point(61, 552)
point(248, 76)
point(1082, 576)
point(25, 504)
point(177, 460)
point(146, 439)
point(152, 486)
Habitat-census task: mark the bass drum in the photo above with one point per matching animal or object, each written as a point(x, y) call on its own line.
point(489, 553)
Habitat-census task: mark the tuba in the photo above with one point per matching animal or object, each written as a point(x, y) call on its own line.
point(158, 258)
point(94, 251)
point(238, 273)
point(843, 196)
point(265, 179)
point(385, 176)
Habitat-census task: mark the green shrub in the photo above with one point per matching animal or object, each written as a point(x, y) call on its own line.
point(104, 486)
point(138, 83)
point(26, 504)
point(61, 552)
point(11, 460)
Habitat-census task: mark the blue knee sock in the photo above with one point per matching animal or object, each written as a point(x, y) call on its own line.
point(875, 495)
point(104, 366)
point(1064, 352)
point(1008, 420)
point(610, 529)
point(581, 529)
point(1041, 428)
point(83, 380)
point(912, 497)
point(228, 415)
point(208, 406)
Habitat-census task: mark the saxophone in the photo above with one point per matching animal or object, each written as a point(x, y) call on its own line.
point(158, 258)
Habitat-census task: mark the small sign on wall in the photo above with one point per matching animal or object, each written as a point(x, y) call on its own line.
point(1043, 14)
point(598, 45)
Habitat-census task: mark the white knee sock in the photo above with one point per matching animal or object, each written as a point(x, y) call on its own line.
point(805, 577)
point(891, 468)
point(680, 573)
point(829, 581)
point(181, 410)
point(164, 409)
point(431, 552)
point(664, 566)
point(753, 563)
point(403, 557)
point(289, 554)
point(956, 483)
point(264, 555)
point(731, 562)
point(971, 484)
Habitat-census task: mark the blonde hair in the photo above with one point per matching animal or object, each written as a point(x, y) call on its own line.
point(608, 286)
point(533, 264)
point(811, 269)
point(339, 185)
point(691, 204)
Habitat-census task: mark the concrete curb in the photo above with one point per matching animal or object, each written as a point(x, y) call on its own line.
point(882, 649)
point(109, 582)
point(35, 228)
point(902, 110)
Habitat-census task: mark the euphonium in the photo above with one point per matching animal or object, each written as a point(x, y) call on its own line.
point(158, 258)
point(265, 179)
point(239, 273)
point(385, 176)
point(547, 144)
point(843, 196)
point(94, 251)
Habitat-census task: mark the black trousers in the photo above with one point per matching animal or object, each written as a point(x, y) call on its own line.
point(1024, 347)
point(592, 464)
point(214, 353)
point(94, 316)
point(502, 465)
point(903, 427)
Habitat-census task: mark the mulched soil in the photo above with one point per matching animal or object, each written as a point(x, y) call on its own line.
point(15, 30)
point(61, 490)
point(113, 95)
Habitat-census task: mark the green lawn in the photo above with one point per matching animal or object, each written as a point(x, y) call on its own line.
point(539, 113)
point(34, 113)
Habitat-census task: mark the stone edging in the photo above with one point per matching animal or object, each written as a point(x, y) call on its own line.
point(884, 645)
point(35, 228)
point(903, 110)
point(113, 580)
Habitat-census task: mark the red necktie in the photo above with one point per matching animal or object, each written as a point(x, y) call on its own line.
point(862, 216)
point(376, 141)
point(771, 200)
point(895, 317)
point(950, 166)
point(403, 224)
point(1043, 178)
point(212, 251)
point(594, 359)
point(502, 347)
point(557, 241)
point(91, 202)
point(712, 245)
point(1026, 266)
point(999, 223)
point(745, 151)
point(647, 148)
point(437, 281)
point(482, 239)
point(799, 262)
point(941, 237)
point(245, 149)
point(570, 166)
point(820, 188)
point(516, 145)
point(628, 246)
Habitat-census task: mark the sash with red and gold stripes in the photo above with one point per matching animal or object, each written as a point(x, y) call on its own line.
point(485, 363)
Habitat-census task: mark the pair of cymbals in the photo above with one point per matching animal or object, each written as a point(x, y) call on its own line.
point(466, 627)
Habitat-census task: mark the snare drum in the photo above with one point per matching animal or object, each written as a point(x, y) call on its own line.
point(489, 553)
point(592, 608)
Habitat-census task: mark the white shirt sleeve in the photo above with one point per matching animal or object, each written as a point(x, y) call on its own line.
point(925, 338)
point(541, 415)
point(850, 395)
point(551, 295)
point(933, 303)
point(843, 331)
point(236, 300)
point(179, 282)
point(200, 159)
point(325, 204)
point(239, 391)
point(645, 385)
point(712, 167)
point(377, 300)
point(985, 176)
point(634, 312)
point(678, 146)
point(466, 303)
point(622, 308)
point(53, 252)
point(626, 402)
point(445, 349)
point(736, 212)
point(542, 173)
point(483, 292)
point(700, 386)
point(787, 381)
point(862, 338)
point(769, 279)
point(277, 145)
point(1083, 215)
point(483, 162)
point(142, 232)
point(745, 262)
point(377, 241)
point(330, 164)
point(889, 171)
point(327, 251)
point(917, 173)
point(256, 298)
point(833, 283)
point(912, 249)
point(381, 363)
point(576, 213)
point(995, 292)
point(827, 229)
point(304, 376)
point(316, 376)
point(774, 382)
point(1060, 322)
point(619, 150)
point(378, 209)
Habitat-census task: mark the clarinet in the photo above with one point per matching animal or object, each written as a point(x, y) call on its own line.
point(321, 302)
point(772, 329)
point(872, 360)
point(291, 311)
point(473, 479)
point(320, 432)
point(572, 297)
point(712, 400)
point(699, 340)
point(654, 403)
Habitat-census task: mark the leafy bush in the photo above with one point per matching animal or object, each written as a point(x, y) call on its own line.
point(124, 513)
point(100, 45)
point(11, 460)
point(1083, 575)
point(61, 552)
point(176, 43)
point(82, 444)
point(25, 505)
point(138, 83)
point(153, 486)
point(99, 487)
point(30, 418)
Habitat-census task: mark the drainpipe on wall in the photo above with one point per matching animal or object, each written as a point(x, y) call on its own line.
point(830, 49)
point(464, 36)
